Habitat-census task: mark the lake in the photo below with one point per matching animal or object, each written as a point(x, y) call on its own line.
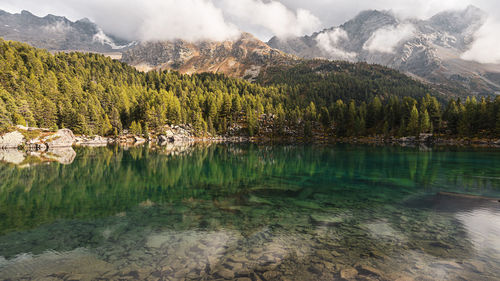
point(250, 212)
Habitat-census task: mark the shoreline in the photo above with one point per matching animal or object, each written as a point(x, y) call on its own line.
point(39, 139)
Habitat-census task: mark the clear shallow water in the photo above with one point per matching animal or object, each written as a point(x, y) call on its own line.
point(258, 212)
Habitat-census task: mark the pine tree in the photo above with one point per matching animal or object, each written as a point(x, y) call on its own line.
point(413, 127)
point(325, 117)
point(279, 120)
point(135, 128)
point(425, 123)
point(80, 126)
point(252, 122)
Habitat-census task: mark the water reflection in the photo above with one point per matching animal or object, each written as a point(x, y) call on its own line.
point(25, 159)
point(242, 211)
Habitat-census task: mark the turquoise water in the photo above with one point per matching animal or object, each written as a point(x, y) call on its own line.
point(248, 212)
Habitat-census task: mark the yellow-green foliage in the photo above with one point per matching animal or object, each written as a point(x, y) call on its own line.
point(92, 94)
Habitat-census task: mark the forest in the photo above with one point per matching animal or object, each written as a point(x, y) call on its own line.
point(95, 95)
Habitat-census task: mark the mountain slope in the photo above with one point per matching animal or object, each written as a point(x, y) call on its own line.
point(56, 33)
point(428, 49)
point(242, 58)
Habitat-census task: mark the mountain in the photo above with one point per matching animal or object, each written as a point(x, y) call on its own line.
point(57, 33)
point(429, 49)
point(244, 57)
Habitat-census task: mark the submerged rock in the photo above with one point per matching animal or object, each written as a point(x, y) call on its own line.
point(348, 273)
point(328, 220)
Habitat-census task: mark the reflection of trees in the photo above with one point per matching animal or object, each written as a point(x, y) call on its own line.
point(105, 181)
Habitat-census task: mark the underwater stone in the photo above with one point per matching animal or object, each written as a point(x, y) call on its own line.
point(368, 270)
point(348, 273)
point(328, 220)
point(270, 275)
point(225, 273)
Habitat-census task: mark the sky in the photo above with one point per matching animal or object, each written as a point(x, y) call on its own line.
point(225, 19)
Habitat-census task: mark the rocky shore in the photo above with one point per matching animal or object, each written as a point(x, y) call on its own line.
point(43, 140)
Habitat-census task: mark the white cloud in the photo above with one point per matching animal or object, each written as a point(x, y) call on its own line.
point(272, 16)
point(102, 38)
point(485, 48)
point(179, 19)
point(329, 42)
point(142, 19)
point(386, 39)
point(223, 19)
point(58, 27)
point(187, 19)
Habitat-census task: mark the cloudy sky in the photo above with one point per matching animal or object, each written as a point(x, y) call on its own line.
point(220, 18)
point(223, 19)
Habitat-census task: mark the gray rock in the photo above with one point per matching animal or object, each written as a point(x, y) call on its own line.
point(95, 141)
point(11, 140)
point(62, 138)
point(139, 140)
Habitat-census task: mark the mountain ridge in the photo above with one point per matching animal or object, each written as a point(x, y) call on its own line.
point(57, 33)
point(430, 50)
point(242, 58)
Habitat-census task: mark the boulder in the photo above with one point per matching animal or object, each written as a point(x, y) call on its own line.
point(62, 138)
point(139, 140)
point(11, 140)
point(94, 141)
point(35, 145)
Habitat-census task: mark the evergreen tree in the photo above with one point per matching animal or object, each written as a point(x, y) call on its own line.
point(425, 123)
point(135, 128)
point(413, 127)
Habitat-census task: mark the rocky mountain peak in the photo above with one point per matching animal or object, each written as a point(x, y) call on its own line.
point(459, 21)
point(373, 16)
point(243, 57)
point(57, 33)
point(429, 49)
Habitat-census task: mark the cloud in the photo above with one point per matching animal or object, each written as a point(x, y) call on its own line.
point(485, 48)
point(104, 39)
point(223, 19)
point(187, 19)
point(329, 42)
point(179, 19)
point(386, 39)
point(143, 20)
point(58, 27)
point(271, 16)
